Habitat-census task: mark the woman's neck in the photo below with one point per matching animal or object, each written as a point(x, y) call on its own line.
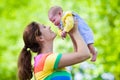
point(47, 47)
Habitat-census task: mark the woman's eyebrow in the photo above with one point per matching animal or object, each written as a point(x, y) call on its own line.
point(43, 26)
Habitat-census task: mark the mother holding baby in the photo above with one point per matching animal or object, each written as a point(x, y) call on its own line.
point(48, 65)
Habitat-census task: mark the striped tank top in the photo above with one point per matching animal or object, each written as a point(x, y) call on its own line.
point(46, 67)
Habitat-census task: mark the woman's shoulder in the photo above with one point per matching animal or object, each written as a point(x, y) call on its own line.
point(47, 57)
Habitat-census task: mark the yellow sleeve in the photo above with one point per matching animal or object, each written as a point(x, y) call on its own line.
point(68, 22)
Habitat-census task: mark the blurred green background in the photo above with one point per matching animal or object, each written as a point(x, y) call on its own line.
point(103, 16)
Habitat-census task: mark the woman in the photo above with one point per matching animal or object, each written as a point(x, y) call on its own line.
point(48, 65)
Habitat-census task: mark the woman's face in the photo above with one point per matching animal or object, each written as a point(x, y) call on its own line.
point(47, 33)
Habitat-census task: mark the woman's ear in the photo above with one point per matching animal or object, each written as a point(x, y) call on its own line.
point(39, 39)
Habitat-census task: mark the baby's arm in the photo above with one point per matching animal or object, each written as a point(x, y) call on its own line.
point(68, 25)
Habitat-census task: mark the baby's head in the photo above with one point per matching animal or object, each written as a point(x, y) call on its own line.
point(55, 14)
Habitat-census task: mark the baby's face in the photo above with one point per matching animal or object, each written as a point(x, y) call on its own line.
point(55, 19)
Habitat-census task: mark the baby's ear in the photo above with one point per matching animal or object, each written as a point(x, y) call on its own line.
point(60, 13)
point(39, 39)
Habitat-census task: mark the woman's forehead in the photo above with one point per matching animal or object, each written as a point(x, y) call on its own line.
point(40, 25)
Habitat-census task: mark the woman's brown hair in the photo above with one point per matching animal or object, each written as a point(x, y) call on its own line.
point(30, 44)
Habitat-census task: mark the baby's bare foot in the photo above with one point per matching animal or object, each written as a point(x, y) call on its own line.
point(94, 58)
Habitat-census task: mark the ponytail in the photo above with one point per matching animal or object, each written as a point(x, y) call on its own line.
point(24, 65)
point(25, 57)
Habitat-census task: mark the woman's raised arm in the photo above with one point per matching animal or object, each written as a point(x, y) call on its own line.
point(81, 52)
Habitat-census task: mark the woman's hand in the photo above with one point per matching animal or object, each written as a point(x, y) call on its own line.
point(81, 51)
point(75, 28)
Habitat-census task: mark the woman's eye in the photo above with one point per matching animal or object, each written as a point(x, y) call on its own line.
point(44, 26)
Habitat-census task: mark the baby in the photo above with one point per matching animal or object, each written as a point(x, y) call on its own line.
point(65, 22)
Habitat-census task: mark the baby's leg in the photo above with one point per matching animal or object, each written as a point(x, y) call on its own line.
point(93, 52)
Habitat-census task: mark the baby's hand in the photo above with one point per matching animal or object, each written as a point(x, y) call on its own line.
point(63, 34)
